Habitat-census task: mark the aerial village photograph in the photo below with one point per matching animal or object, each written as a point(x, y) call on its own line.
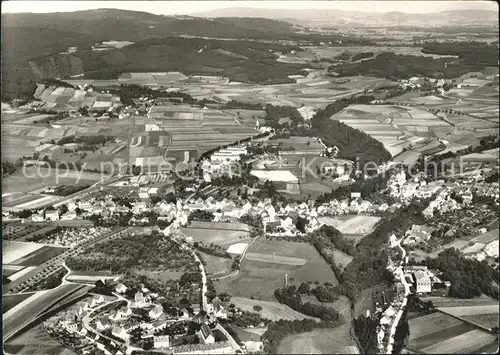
point(250, 177)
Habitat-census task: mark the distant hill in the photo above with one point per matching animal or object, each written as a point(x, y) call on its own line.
point(135, 26)
point(29, 35)
point(246, 61)
point(359, 18)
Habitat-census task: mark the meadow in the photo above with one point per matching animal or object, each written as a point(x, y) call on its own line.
point(13, 251)
point(259, 279)
point(270, 310)
point(222, 237)
point(216, 266)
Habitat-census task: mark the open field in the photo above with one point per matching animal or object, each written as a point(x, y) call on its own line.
point(35, 306)
point(439, 301)
point(246, 334)
point(341, 257)
point(397, 127)
point(216, 266)
point(276, 259)
point(9, 301)
point(485, 320)
point(460, 311)
point(324, 341)
point(442, 333)
point(222, 237)
point(464, 343)
point(38, 178)
point(429, 324)
point(270, 310)
point(220, 225)
point(260, 279)
point(39, 256)
point(14, 251)
point(21, 273)
point(358, 225)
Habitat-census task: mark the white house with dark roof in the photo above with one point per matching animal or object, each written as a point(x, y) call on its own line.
point(162, 341)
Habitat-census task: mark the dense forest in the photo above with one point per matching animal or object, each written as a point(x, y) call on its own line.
point(291, 297)
point(351, 142)
point(472, 56)
point(469, 277)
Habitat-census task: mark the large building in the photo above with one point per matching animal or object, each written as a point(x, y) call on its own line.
point(284, 180)
point(422, 282)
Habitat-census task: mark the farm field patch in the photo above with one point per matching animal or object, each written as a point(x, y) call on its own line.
point(486, 237)
point(464, 343)
point(439, 301)
point(20, 273)
point(259, 280)
point(220, 237)
point(318, 341)
point(13, 251)
point(40, 256)
point(9, 301)
point(216, 266)
point(277, 259)
point(358, 225)
point(470, 310)
point(270, 310)
point(432, 323)
point(485, 320)
point(39, 178)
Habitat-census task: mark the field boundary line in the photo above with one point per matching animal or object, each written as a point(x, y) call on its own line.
point(468, 321)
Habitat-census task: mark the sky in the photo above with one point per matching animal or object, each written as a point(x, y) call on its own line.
point(187, 7)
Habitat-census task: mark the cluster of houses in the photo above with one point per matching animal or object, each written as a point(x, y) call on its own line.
point(406, 189)
point(107, 324)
